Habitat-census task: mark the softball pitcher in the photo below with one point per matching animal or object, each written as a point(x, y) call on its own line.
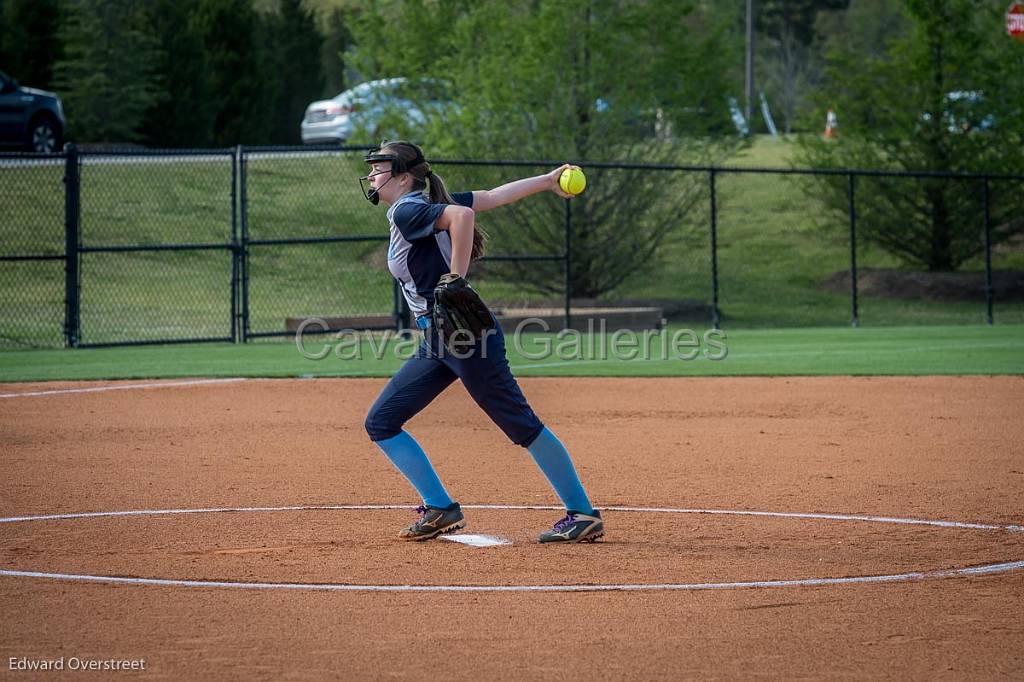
point(433, 241)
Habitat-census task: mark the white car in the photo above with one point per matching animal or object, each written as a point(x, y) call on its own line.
point(393, 107)
point(964, 112)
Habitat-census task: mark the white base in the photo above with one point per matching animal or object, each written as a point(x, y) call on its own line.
point(476, 540)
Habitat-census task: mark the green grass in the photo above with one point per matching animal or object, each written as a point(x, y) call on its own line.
point(776, 243)
point(775, 248)
point(784, 352)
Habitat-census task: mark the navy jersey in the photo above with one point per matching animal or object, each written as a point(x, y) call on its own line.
point(419, 253)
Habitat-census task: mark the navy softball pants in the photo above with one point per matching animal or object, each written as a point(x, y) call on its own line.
point(486, 375)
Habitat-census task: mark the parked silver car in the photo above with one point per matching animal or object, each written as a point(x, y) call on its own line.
point(390, 107)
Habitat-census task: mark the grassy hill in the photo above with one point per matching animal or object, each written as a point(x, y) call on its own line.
point(777, 245)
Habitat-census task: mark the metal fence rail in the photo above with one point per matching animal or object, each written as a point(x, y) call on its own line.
point(107, 248)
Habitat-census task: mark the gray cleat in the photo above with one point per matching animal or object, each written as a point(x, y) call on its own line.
point(434, 522)
point(575, 527)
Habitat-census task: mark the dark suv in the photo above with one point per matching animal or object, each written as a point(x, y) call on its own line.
point(29, 118)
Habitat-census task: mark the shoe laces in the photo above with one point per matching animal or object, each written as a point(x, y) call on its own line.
point(564, 523)
point(422, 510)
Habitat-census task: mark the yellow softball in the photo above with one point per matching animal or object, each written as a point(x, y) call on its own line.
point(572, 180)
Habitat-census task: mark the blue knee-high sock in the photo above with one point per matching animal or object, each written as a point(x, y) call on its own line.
point(553, 459)
point(408, 457)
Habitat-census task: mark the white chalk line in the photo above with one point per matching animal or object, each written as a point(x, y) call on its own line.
point(521, 507)
point(124, 387)
point(986, 569)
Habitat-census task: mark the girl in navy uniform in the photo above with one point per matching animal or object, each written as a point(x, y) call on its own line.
point(433, 235)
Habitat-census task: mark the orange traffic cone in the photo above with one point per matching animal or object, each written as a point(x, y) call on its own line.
point(830, 124)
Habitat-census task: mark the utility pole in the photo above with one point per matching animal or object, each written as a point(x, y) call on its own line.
point(750, 63)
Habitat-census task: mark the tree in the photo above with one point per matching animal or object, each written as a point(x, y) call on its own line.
point(183, 111)
point(867, 27)
point(337, 40)
point(922, 106)
point(29, 43)
point(294, 56)
point(106, 77)
point(788, 41)
point(240, 88)
point(599, 80)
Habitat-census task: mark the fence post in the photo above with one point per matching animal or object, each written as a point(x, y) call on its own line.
point(568, 263)
point(988, 252)
point(243, 250)
point(235, 156)
point(855, 315)
point(715, 317)
point(72, 240)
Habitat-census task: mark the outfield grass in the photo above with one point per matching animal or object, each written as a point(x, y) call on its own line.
point(775, 248)
point(784, 352)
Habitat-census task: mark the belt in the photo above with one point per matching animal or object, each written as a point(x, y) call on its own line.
point(423, 322)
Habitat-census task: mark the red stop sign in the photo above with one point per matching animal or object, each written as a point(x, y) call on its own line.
point(1015, 20)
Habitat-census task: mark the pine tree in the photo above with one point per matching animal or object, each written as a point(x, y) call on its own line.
point(29, 43)
point(337, 40)
point(107, 76)
point(230, 31)
point(182, 114)
point(294, 54)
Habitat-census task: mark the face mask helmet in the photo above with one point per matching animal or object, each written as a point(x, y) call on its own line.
point(397, 167)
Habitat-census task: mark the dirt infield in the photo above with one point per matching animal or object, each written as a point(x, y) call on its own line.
point(911, 448)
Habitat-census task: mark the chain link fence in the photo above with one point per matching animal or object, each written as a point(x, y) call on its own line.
point(314, 247)
point(916, 218)
point(156, 241)
point(887, 293)
point(1006, 258)
point(797, 278)
point(32, 251)
point(114, 248)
